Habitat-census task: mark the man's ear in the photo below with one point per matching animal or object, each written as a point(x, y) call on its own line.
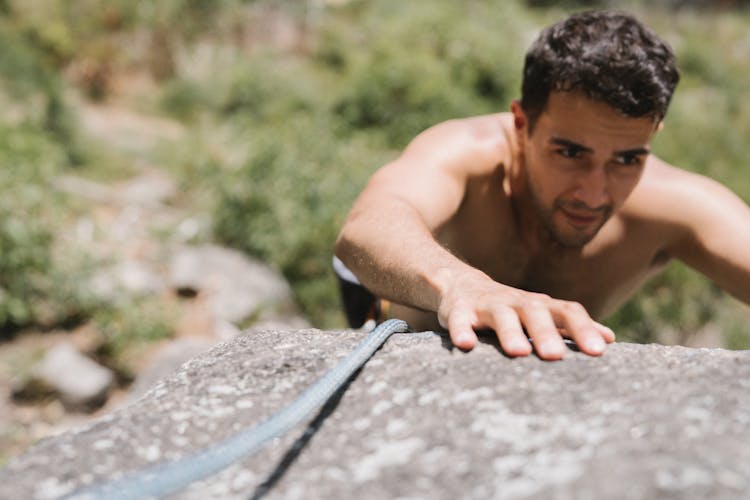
point(519, 116)
point(520, 122)
point(659, 126)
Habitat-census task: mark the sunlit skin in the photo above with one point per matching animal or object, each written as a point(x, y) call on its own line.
point(579, 164)
point(482, 224)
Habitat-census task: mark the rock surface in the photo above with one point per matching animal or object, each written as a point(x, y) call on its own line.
point(165, 361)
point(422, 420)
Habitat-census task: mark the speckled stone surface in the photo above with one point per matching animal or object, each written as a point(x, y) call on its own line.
point(422, 420)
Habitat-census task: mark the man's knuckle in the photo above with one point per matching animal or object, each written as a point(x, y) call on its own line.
point(504, 314)
point(573, 307)
point(534, 306)
point(543, 297)
point(460, 305)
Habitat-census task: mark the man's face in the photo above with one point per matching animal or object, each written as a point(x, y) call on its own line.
point(582, 160)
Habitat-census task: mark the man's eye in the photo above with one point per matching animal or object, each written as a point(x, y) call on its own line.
point(628, 160)
point(569, 152)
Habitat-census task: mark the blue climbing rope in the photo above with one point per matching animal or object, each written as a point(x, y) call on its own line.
point(168, 478)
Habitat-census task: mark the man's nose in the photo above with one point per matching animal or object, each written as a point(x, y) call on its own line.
point(593, 188)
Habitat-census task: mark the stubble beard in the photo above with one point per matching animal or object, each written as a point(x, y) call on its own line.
point(572, 238)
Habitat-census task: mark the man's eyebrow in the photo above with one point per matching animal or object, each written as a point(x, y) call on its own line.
point(559, 141)
point(633, 152)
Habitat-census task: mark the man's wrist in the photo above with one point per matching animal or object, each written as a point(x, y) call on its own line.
point(445, 279)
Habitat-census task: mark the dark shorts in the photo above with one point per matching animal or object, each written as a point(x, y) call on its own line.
point(360, 305)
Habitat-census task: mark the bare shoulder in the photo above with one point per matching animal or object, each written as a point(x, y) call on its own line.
point(433, 173)
point(473, 145)
point(671, 194)
point(679, 208)
point(659, 174)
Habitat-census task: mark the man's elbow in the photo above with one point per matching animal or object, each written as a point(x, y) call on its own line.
point(345, 245)
point(341, 245)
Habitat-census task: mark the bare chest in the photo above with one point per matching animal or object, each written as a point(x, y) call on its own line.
point(601, 277)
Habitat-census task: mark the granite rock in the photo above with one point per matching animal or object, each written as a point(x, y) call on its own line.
point(165, 361)
point(80, 382)
point(238, 285)
point(424, 420)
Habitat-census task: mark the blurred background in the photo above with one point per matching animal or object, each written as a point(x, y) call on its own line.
point(143, 142)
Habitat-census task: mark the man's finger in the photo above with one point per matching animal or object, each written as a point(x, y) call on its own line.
point(542, 330)
point(460, 328)
point(607, 334)
point(509, 332)
point(581, 328)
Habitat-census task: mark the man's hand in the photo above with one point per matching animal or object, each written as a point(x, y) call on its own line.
point(475, 302)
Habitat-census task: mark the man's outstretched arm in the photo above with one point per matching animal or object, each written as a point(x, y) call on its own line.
point(388, 243)
point(716, 233)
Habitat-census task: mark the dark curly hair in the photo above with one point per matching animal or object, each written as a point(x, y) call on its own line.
point(607, 55)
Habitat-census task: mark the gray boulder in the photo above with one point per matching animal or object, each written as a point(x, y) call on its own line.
point(150, 189)
point(165, 361)
point(81, 383)
point(129, 278)
point(423, 420)
point(239, 286)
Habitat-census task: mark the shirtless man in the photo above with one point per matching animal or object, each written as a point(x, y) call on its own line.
point(550, 215)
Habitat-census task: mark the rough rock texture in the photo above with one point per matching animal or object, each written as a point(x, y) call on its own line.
point(422, 420)
point(167, 360)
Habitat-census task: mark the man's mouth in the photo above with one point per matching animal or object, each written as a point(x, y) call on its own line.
point(581, 219)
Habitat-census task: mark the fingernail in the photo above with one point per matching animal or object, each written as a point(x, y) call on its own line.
point(463, 339)
point(595, 345)
point(552, 350)
point(519, 348)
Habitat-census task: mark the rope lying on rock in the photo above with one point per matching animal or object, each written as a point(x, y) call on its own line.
point(167, 478)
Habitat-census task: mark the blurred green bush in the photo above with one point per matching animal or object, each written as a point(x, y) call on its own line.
point(25, 236)
point(127, 330)
point(37, 141)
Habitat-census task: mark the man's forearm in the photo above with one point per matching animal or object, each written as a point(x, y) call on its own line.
point(394, 254)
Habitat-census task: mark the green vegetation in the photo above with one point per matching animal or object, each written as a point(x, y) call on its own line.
point(36, 143)
point(290, 107)
point(128, 329)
